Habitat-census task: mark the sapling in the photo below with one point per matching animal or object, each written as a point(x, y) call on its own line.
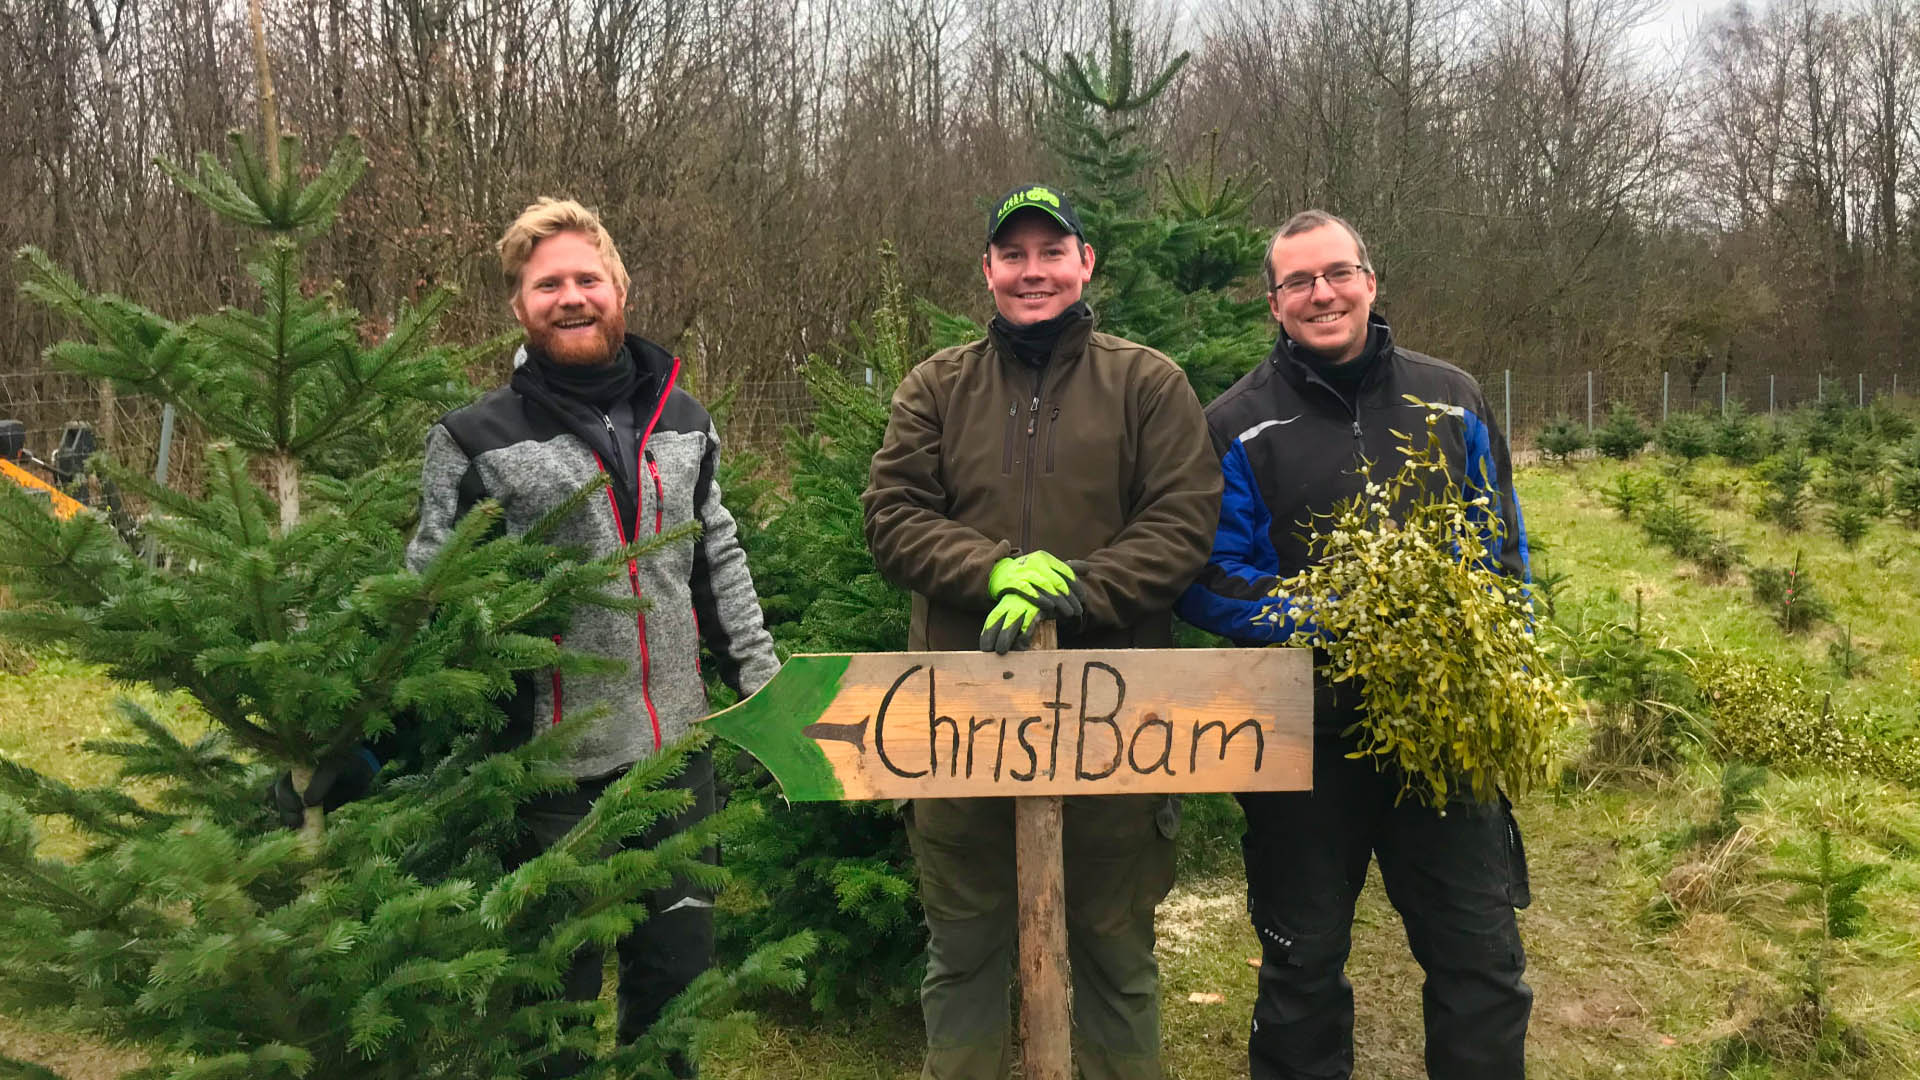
point(1687, 435)
point(1829, 890)
point(1789, 595)
point(1787, 476)
point(1846, 658)
point(1625, 494)
point(1623, 434)
point(1562, 438)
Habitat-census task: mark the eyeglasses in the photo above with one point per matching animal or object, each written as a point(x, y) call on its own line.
point(1297, 285)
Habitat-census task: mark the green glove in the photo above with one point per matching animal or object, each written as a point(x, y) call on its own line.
point(1009, 624)
point(1044, 580)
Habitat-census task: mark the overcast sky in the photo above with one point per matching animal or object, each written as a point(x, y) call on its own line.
point(1679, 18)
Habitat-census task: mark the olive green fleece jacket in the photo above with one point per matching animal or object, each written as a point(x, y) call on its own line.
point(1101, 455)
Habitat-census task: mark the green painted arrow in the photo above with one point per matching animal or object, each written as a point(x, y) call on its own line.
point(773, 725)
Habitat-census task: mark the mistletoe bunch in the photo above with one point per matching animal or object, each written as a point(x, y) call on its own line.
point(1406, 601)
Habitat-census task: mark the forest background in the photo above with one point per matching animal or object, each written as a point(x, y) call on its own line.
point(1545, 189)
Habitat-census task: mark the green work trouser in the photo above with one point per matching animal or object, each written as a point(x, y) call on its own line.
point(1118, 855)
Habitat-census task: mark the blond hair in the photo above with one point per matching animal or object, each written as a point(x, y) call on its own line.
point(545, 218)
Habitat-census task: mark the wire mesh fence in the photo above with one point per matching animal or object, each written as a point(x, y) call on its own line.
point(1525, 403)
point(125, 425)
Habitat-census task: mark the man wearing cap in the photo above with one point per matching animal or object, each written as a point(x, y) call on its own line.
point(1045, 471)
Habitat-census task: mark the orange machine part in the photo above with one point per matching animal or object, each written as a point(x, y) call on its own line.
point(64, 505)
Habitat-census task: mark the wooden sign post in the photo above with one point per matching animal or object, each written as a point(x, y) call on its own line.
point(1046, 1023)
point(1035, 725)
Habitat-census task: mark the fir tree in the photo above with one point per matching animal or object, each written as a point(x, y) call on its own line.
point(1788, 594)
point(387, 939)
point(1736, 436)
point(1164, 276)
point(840, 870)
point(1787, 476)
point(1828, 888)
point(1562, 438)
point(1687, 435)
point(1904, 490)
point(1622, 435)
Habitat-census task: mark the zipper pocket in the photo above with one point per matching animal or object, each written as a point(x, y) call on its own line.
point(1006, 449)
point(1053, 429)
point(659, 493)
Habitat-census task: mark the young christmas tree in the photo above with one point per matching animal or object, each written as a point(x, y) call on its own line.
point(840, 870)
point(1164, 275)
point(395, 936)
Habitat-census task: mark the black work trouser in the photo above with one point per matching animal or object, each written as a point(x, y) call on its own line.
point(675, 943)
point(1455, 880)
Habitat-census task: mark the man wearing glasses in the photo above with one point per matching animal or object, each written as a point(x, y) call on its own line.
point(1295, 435)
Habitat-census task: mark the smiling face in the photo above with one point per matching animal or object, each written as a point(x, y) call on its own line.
point(1330, 321)
point(1035, 269)
point(568, 303)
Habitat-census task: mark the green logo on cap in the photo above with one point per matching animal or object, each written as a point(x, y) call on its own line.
point(1033, 196)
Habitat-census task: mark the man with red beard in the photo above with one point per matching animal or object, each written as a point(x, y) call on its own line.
point(588, 398)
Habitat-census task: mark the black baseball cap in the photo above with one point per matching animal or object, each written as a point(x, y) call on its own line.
point(1050, 201)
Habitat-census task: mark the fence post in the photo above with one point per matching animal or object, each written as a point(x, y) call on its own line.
point(1723, 395)
point(166, 446)
point(1860, 380)
point(1769, 397)
point(150, 549)
point(1509, 382)
point(1666, 385)
point(1819, 389)
point(1589, 402)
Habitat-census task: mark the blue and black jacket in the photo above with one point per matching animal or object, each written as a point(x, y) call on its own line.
point(1291, 446)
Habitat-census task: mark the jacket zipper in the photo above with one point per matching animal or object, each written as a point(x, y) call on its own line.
point(1006, 447)
point(1026, 499)
point(620, 530)
point(640, 617)
point(1053, 431)
point(659, 493)
point(613, 440)
point(1353, 410)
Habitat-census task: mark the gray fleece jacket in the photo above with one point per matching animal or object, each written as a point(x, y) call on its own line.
point(529, 456)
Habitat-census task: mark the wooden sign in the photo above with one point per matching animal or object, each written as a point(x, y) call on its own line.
point(1084, 722)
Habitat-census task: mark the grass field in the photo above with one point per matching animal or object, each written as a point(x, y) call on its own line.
point(1629, 980)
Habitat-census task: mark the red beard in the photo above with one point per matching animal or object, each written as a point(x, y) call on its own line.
point(580, 349)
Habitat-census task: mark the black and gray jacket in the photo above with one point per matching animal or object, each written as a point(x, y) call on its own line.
point(529, 457)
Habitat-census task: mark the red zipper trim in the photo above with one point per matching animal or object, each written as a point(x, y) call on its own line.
point(633, 565)
point(556, 687)
point(659, 495)
point(640, 618)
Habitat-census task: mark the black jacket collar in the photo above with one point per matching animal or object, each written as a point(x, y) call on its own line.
point(1072, 342)
point(1291, 358)
point(590, 425)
